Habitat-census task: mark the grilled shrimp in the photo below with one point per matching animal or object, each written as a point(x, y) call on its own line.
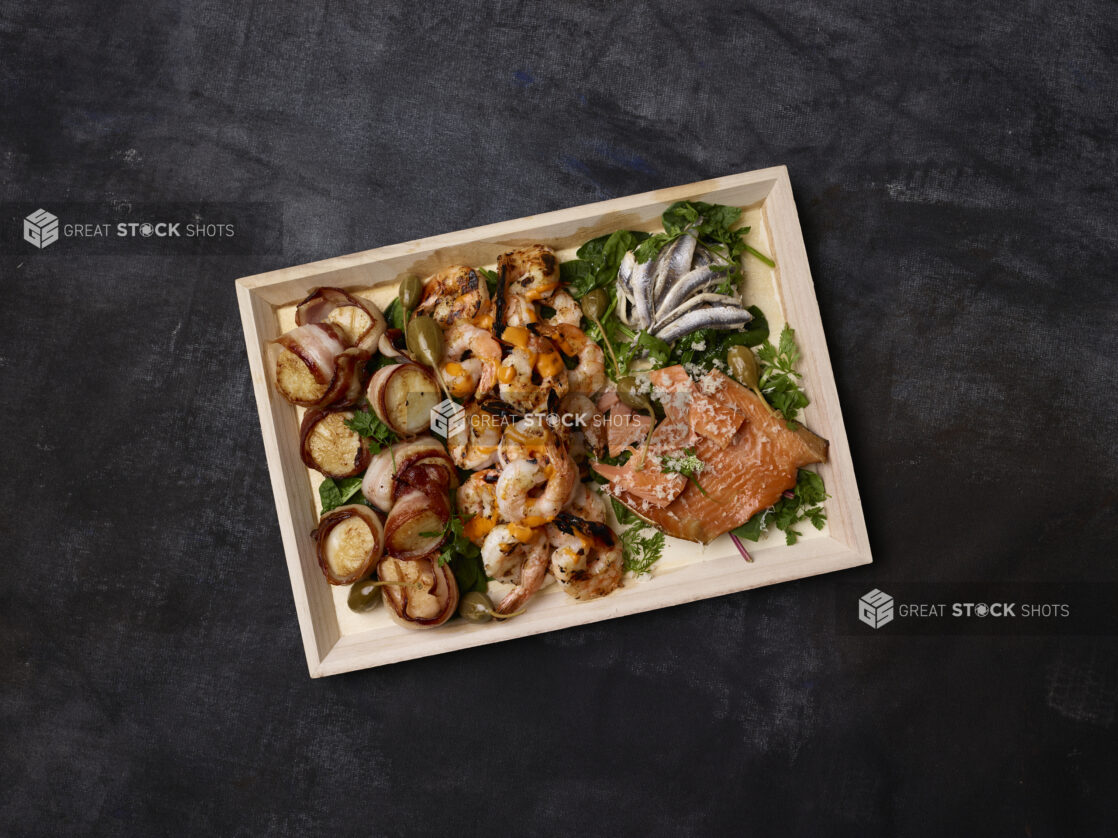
point(533, 493)
point(454, 293)
point(477, 501)
point(520, 555)
point(475, 445)
point(586, 503)
point(520, 311)
point(530, 272)
point(590, 375)
point(567, 311)
point(530, 373)
point(586, 557)
point(472, 357)
point(586, 420)
point(528, 439)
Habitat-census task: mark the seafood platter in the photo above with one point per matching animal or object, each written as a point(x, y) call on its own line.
point(551, 421)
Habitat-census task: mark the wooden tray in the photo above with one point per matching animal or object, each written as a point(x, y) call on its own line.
point(337, 641)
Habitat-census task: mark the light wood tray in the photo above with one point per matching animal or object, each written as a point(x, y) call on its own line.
point(335, 641)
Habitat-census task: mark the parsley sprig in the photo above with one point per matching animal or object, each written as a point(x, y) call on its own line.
point(462, 554)
point(806, 504)
point(779, 380)
point(368, 424)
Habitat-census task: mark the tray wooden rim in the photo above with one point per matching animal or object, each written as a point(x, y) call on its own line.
point(260, 295)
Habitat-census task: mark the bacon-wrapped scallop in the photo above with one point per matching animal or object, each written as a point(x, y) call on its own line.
point(402, 396)
point(394, 344)
point(417, 525)
point(330, 447)
point(316, 367)
point(389, 472)
point(350, 542)
point(361, 320)
point(428, 596)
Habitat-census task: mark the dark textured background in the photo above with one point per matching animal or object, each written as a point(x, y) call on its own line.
point(955, 173)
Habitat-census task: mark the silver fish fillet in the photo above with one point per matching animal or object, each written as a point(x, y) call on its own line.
point(624, 306)
point(663, 318)
point(720, 317)
point(675, 261)
point(625, 271)
point(687, 285)
point(640, 283)
point(703, 257)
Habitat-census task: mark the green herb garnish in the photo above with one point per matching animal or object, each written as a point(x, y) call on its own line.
point(462, 554)
point(687, 463)
point(806, 504)
point(659, 351)
point(779, 379)
point(597, 263)
point(368, 424)
point(641, 545)
point(711, 224)
point(491, 280)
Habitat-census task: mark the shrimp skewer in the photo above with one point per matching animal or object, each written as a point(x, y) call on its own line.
point(589, 377)
point(520, 479)
point(455, 293)
point(587, 558)
point(522, 558)
point(470, 360)
point(474, 446)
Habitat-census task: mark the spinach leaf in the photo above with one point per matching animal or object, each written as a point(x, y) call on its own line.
point(625, 516)
point(712, 224)
point(394, 314)
point(334, 493)
point(597, 263)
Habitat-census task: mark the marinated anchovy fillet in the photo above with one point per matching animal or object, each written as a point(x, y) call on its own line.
point(722, 317)
point(673, 264)
point(688, 284)
point(694, 302)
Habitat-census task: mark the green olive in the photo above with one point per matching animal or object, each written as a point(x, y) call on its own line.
point(476, 607)
point(743, 365)
point(411, 291)
point(595, 303)
point(364, 596)
point(628, 393)
point(425, 340)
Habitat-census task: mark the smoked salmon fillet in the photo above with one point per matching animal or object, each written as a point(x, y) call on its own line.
point(745, 470)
